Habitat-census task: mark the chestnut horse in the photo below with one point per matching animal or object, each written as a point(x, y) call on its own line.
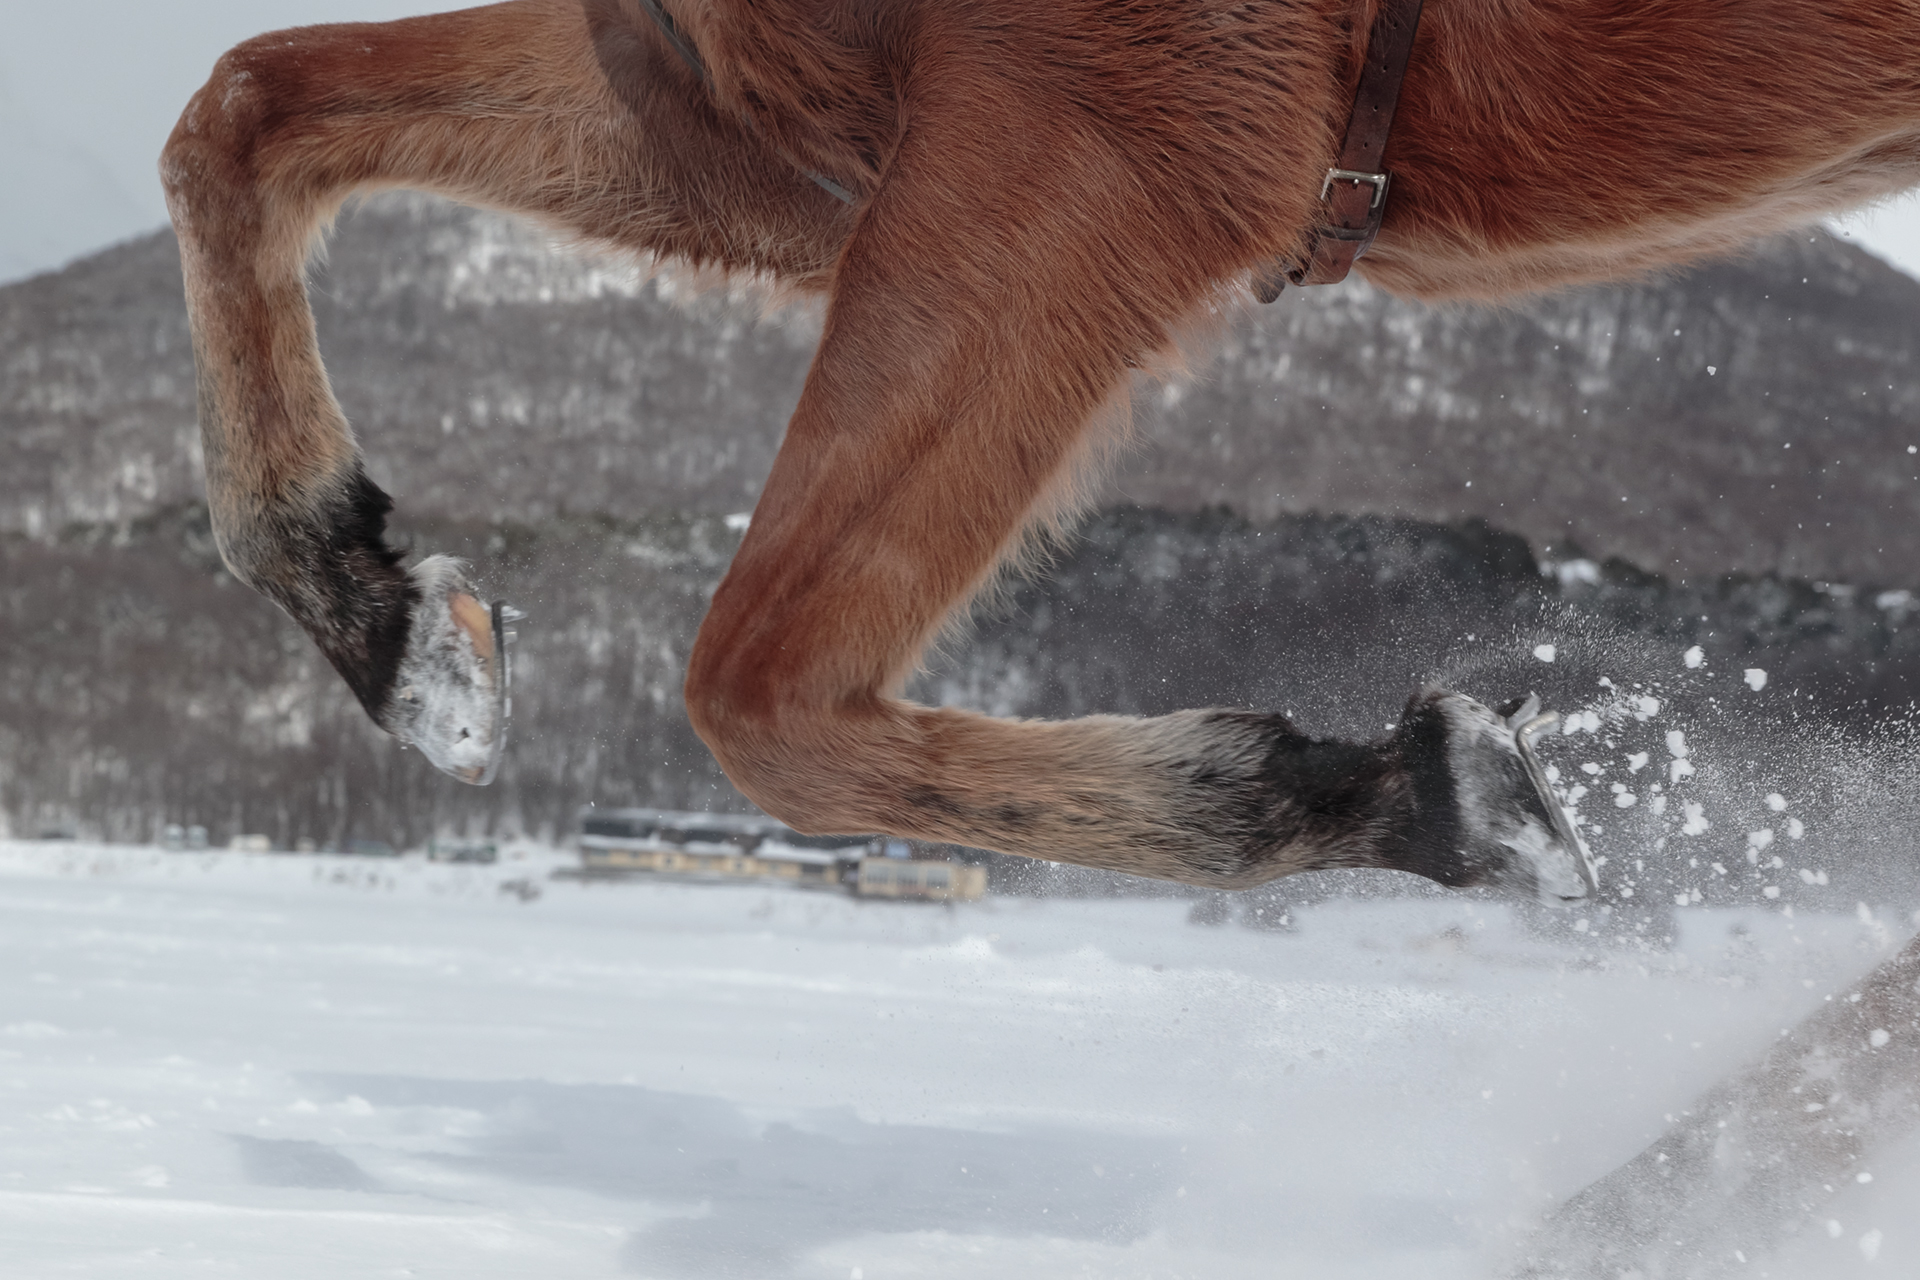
point(1009, 206)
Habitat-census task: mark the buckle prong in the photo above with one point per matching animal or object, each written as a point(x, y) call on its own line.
point(1379, 181)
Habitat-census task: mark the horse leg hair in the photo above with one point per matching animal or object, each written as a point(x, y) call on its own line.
point(510, 106)
point(987, 299)
point(952, 394)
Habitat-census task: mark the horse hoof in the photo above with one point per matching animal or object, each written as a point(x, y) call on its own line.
point(450, 696)
point(1514, 827)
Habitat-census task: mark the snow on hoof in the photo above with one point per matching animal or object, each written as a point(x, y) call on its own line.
point(1515, 832)
point(450, 696)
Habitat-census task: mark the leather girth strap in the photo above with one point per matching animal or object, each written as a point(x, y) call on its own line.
point(1355, 189)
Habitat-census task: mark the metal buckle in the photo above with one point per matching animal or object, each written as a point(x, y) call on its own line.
point(1379, 181)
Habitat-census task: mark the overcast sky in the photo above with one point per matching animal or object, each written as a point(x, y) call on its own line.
point(88, 93)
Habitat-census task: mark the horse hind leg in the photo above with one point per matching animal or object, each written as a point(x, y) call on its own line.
point(510, 105)
point(953, 385)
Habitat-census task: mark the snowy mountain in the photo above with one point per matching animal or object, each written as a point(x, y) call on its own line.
point(1752, 416)
point(579, 433)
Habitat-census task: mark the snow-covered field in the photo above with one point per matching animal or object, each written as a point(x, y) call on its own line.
point(278, 1067)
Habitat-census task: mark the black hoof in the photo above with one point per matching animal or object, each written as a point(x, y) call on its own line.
point(1485, 813)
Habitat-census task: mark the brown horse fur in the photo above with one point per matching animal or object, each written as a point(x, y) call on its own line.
point(1046, 192)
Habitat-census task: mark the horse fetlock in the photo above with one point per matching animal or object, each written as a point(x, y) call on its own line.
point(1255, 799)
point(1484, 812)
point(450, 692)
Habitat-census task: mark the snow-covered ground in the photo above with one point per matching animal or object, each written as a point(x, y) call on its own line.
point(269, 1066)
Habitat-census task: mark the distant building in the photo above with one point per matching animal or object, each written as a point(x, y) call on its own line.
point(724, 847)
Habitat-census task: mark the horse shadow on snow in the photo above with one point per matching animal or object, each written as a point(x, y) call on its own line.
point(760, 1195)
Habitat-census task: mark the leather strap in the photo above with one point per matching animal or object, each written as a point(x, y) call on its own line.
point(1355, 189)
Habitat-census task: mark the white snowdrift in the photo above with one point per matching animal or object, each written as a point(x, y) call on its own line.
point(244, 1065)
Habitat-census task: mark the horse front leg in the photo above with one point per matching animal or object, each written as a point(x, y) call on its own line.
point(953, 392)
point(513, 105)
